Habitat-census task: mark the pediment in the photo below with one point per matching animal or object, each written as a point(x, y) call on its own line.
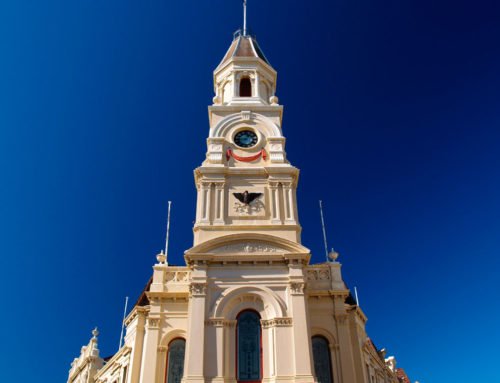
point(245, 247)
point(235, 244)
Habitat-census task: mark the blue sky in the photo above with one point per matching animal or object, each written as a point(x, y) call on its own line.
point(103, 119)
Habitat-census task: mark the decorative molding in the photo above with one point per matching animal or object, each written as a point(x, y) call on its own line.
point(177, 276)
point(198, 289)
point(249, 247)
point(297, 287)
point(255, 207)
point(220, 322)
point(318, 274)
point(153, 323)
point(162, 348)
point(246, 115)
point(276, 322)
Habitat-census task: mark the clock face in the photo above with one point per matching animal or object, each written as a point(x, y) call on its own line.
point(245, 139)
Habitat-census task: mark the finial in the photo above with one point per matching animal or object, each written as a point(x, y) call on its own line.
point(95, 333)
point(333, 255)
point(244, 17)
point(161, 258)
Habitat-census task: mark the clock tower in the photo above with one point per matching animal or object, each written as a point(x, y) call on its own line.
point(246, 153)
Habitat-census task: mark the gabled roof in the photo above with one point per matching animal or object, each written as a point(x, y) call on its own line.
point(244, 46)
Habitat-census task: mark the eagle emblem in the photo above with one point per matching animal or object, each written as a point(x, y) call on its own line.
point(246, 197)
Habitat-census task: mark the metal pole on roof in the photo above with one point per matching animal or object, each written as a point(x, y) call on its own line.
point(244, 17)
point(123, 323)
point(168, 233)
point(323, 226)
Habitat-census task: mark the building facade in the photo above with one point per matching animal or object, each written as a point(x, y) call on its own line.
point(248, 306)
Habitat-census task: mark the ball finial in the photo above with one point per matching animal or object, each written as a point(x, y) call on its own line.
point(95, 333)
point(161, 257)
point(333, 255)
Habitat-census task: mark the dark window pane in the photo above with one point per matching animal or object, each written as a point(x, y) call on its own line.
point(245, 87)
point(175, 368)
point(322, 360)
point(248, 332)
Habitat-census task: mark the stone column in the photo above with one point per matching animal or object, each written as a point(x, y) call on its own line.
point(214, 349)
point(205, 195)
point(219, 203)
point(150, 352)
point(161, 364)
point(195, 346)
point(275, 202)
point(229, 360)
point(137, 341)
point(344, 339)
point(257, 80)
point(301, 328)
point(284, 348)
point(288, 202)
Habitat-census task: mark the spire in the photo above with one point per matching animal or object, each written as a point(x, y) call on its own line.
point(244, 17)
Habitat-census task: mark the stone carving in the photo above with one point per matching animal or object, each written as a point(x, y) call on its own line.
point(246, 115)
point(177, 276)
point(276, 322)
point(249, 247)
point(242, 208)
point(297, 287)
point(318, 275)
point(198, 289)
point(153, 322)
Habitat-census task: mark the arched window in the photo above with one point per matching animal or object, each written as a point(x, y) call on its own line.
point(175, 361)
point(248, 347)
point(245, 87)
point(322, 359)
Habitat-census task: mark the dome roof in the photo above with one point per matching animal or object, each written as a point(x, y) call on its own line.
point(244, 46)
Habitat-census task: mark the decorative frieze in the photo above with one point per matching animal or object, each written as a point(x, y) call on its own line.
point(249, 247)
point(220, 322)
point(276, 322)
point(318, 274)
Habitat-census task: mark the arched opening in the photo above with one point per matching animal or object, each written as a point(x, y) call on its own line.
point(322, 359)
point(175, 361)
point(248, 347)
point(245, 87)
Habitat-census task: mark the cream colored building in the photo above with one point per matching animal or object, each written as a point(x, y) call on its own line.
point(248, 306)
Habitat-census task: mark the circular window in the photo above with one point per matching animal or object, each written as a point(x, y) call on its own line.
point(245, 139)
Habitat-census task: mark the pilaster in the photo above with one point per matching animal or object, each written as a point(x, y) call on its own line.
point(195, 345)
point(150, 353)
point(344, 339)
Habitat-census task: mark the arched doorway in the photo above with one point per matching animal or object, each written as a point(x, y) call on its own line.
point(175, 361)
point(248, 347)
point(322, 359)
